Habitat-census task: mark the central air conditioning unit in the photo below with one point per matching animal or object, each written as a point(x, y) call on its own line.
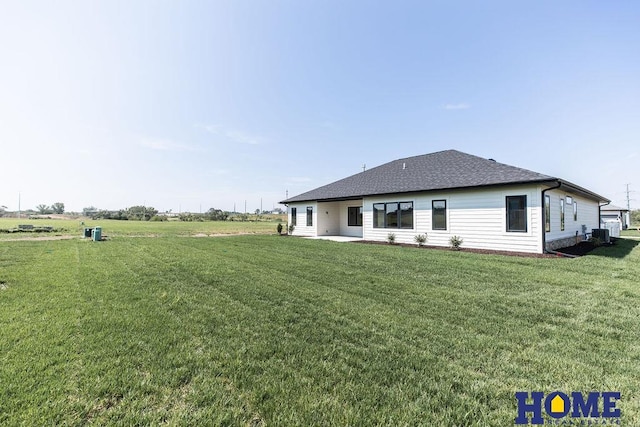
point(602, 234)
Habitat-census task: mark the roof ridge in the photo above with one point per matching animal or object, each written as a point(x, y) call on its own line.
point(437, 171)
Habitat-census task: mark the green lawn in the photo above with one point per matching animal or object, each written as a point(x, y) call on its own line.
point(268, 330)
point(114, 228)
point(630, 232)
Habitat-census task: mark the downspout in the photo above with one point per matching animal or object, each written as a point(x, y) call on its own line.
point(544, 228)
point(600, 213)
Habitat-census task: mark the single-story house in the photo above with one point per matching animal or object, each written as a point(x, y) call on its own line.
point(488, 204)
point(614, 218)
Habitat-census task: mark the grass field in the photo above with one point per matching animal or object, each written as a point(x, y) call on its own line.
point(114, 228)
point(268, 330)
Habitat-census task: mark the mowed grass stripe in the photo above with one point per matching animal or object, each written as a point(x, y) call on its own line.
point(305, 329)
point(290, 331)
point(164, 344)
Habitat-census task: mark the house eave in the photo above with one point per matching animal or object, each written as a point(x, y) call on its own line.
point(576, 189)
point(413, 191)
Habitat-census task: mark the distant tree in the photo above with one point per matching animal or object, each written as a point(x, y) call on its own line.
point(216, 215)
point(635, 217)
point(91, 210)
point(2, 210)
point(58, 208)
point(43, 209)
point(141, 213)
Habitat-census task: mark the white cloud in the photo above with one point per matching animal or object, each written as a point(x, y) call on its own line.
point(460, 106)
point(243, 137)
point(234, 135)
point(161, 144)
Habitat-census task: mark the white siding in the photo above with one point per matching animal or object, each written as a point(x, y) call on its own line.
point(587, 215)
point(477, 216)
point(301, 228)
point(345, 229)
point(328, 219)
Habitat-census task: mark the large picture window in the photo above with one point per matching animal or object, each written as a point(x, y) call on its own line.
point(517, 213)
point(439, 215)
point(355, 216)
point(294, 216)
point(309, 216)
point(393, 215)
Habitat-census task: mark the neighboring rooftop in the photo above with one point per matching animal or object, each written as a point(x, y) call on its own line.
point(613, 208)
point(443, 170)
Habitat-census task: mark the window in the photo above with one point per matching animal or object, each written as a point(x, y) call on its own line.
point(354, 216)
point(547, 213)
point(309, 216)
point(517, 213)
point(438, 214)
point(393, 215)
point(575, 211)
point(378, 215)
point(294, 216)
point(406, 215)
point(561, 214)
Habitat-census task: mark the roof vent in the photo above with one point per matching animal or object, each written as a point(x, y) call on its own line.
point(404, 166)
point(493, 160)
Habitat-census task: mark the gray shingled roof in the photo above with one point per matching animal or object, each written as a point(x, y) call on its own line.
point(613, 208)
point(448, 169)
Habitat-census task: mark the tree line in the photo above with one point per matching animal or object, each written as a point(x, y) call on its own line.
point(55, 208)
point(147, 213)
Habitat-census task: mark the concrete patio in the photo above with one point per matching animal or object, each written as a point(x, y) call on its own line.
point(336, 238)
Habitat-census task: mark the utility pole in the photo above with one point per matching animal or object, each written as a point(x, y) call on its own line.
point(628, 192)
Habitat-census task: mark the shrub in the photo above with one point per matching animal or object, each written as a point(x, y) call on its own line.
point(279, 228)
point(291, 228)
point(391, 238)
point(420, 239)
point(455, 242)
point(595, 241)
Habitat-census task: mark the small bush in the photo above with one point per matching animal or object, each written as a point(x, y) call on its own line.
point(290, 228)
point(279, 228)
point(391, 238)
point(455, 242)
point(595, 241)
point(420, 239)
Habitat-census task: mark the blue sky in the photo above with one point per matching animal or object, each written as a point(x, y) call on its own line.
point(187, 105)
